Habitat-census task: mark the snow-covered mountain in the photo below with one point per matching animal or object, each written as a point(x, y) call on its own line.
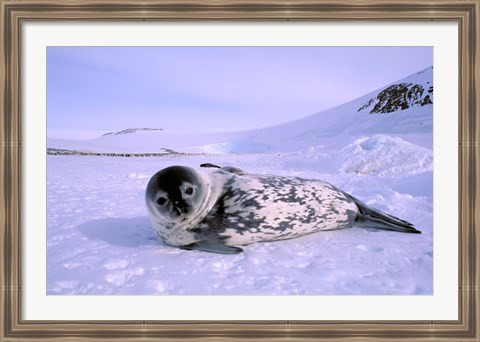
point(403, 108)
point(347, 121)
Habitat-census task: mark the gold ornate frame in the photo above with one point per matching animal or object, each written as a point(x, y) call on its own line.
point(13, 13)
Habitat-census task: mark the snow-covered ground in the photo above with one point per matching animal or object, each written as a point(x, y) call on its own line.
point(99, 239)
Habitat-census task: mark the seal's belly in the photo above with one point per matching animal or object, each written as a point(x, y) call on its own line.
point(268, 208)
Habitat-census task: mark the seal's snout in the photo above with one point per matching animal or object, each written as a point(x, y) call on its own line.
point(181, 208)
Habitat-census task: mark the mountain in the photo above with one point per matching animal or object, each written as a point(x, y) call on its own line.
point(403, 109)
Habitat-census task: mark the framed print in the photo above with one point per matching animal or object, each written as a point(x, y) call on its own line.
point(185, 171)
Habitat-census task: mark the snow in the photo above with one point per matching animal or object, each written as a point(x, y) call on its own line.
point(99, 239)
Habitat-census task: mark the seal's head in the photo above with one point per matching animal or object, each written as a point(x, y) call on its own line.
point(173, 193)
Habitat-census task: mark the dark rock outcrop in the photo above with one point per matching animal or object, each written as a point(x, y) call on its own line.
point(398, 97)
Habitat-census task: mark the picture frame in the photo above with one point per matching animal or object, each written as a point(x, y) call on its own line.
point(13, 14)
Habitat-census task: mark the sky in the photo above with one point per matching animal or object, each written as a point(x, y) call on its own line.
point(91, 90)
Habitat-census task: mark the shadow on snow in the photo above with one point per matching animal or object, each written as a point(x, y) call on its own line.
point(123, 232)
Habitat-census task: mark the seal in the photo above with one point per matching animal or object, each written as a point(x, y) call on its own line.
point(217, 209)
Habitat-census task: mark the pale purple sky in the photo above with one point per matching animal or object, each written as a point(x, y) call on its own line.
point(213, 88)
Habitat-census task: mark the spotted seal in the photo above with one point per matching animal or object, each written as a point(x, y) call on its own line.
point(217, 209)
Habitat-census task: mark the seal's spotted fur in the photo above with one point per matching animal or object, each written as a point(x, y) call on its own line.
point(231, 208)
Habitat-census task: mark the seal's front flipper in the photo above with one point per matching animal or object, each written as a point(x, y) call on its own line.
point(212, 247)
point(209, 165)
point(231, 169)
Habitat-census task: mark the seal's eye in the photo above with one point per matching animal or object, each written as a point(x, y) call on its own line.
point(161, 200)
point(189, 191)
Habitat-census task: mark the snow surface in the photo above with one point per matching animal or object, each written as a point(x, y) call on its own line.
point(99, 239)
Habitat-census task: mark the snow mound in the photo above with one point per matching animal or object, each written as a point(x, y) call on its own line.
point(385, 155)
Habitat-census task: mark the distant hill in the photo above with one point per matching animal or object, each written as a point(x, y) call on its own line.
point(132, 130)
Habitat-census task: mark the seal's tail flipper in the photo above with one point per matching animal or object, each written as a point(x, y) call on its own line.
point(373, 218)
